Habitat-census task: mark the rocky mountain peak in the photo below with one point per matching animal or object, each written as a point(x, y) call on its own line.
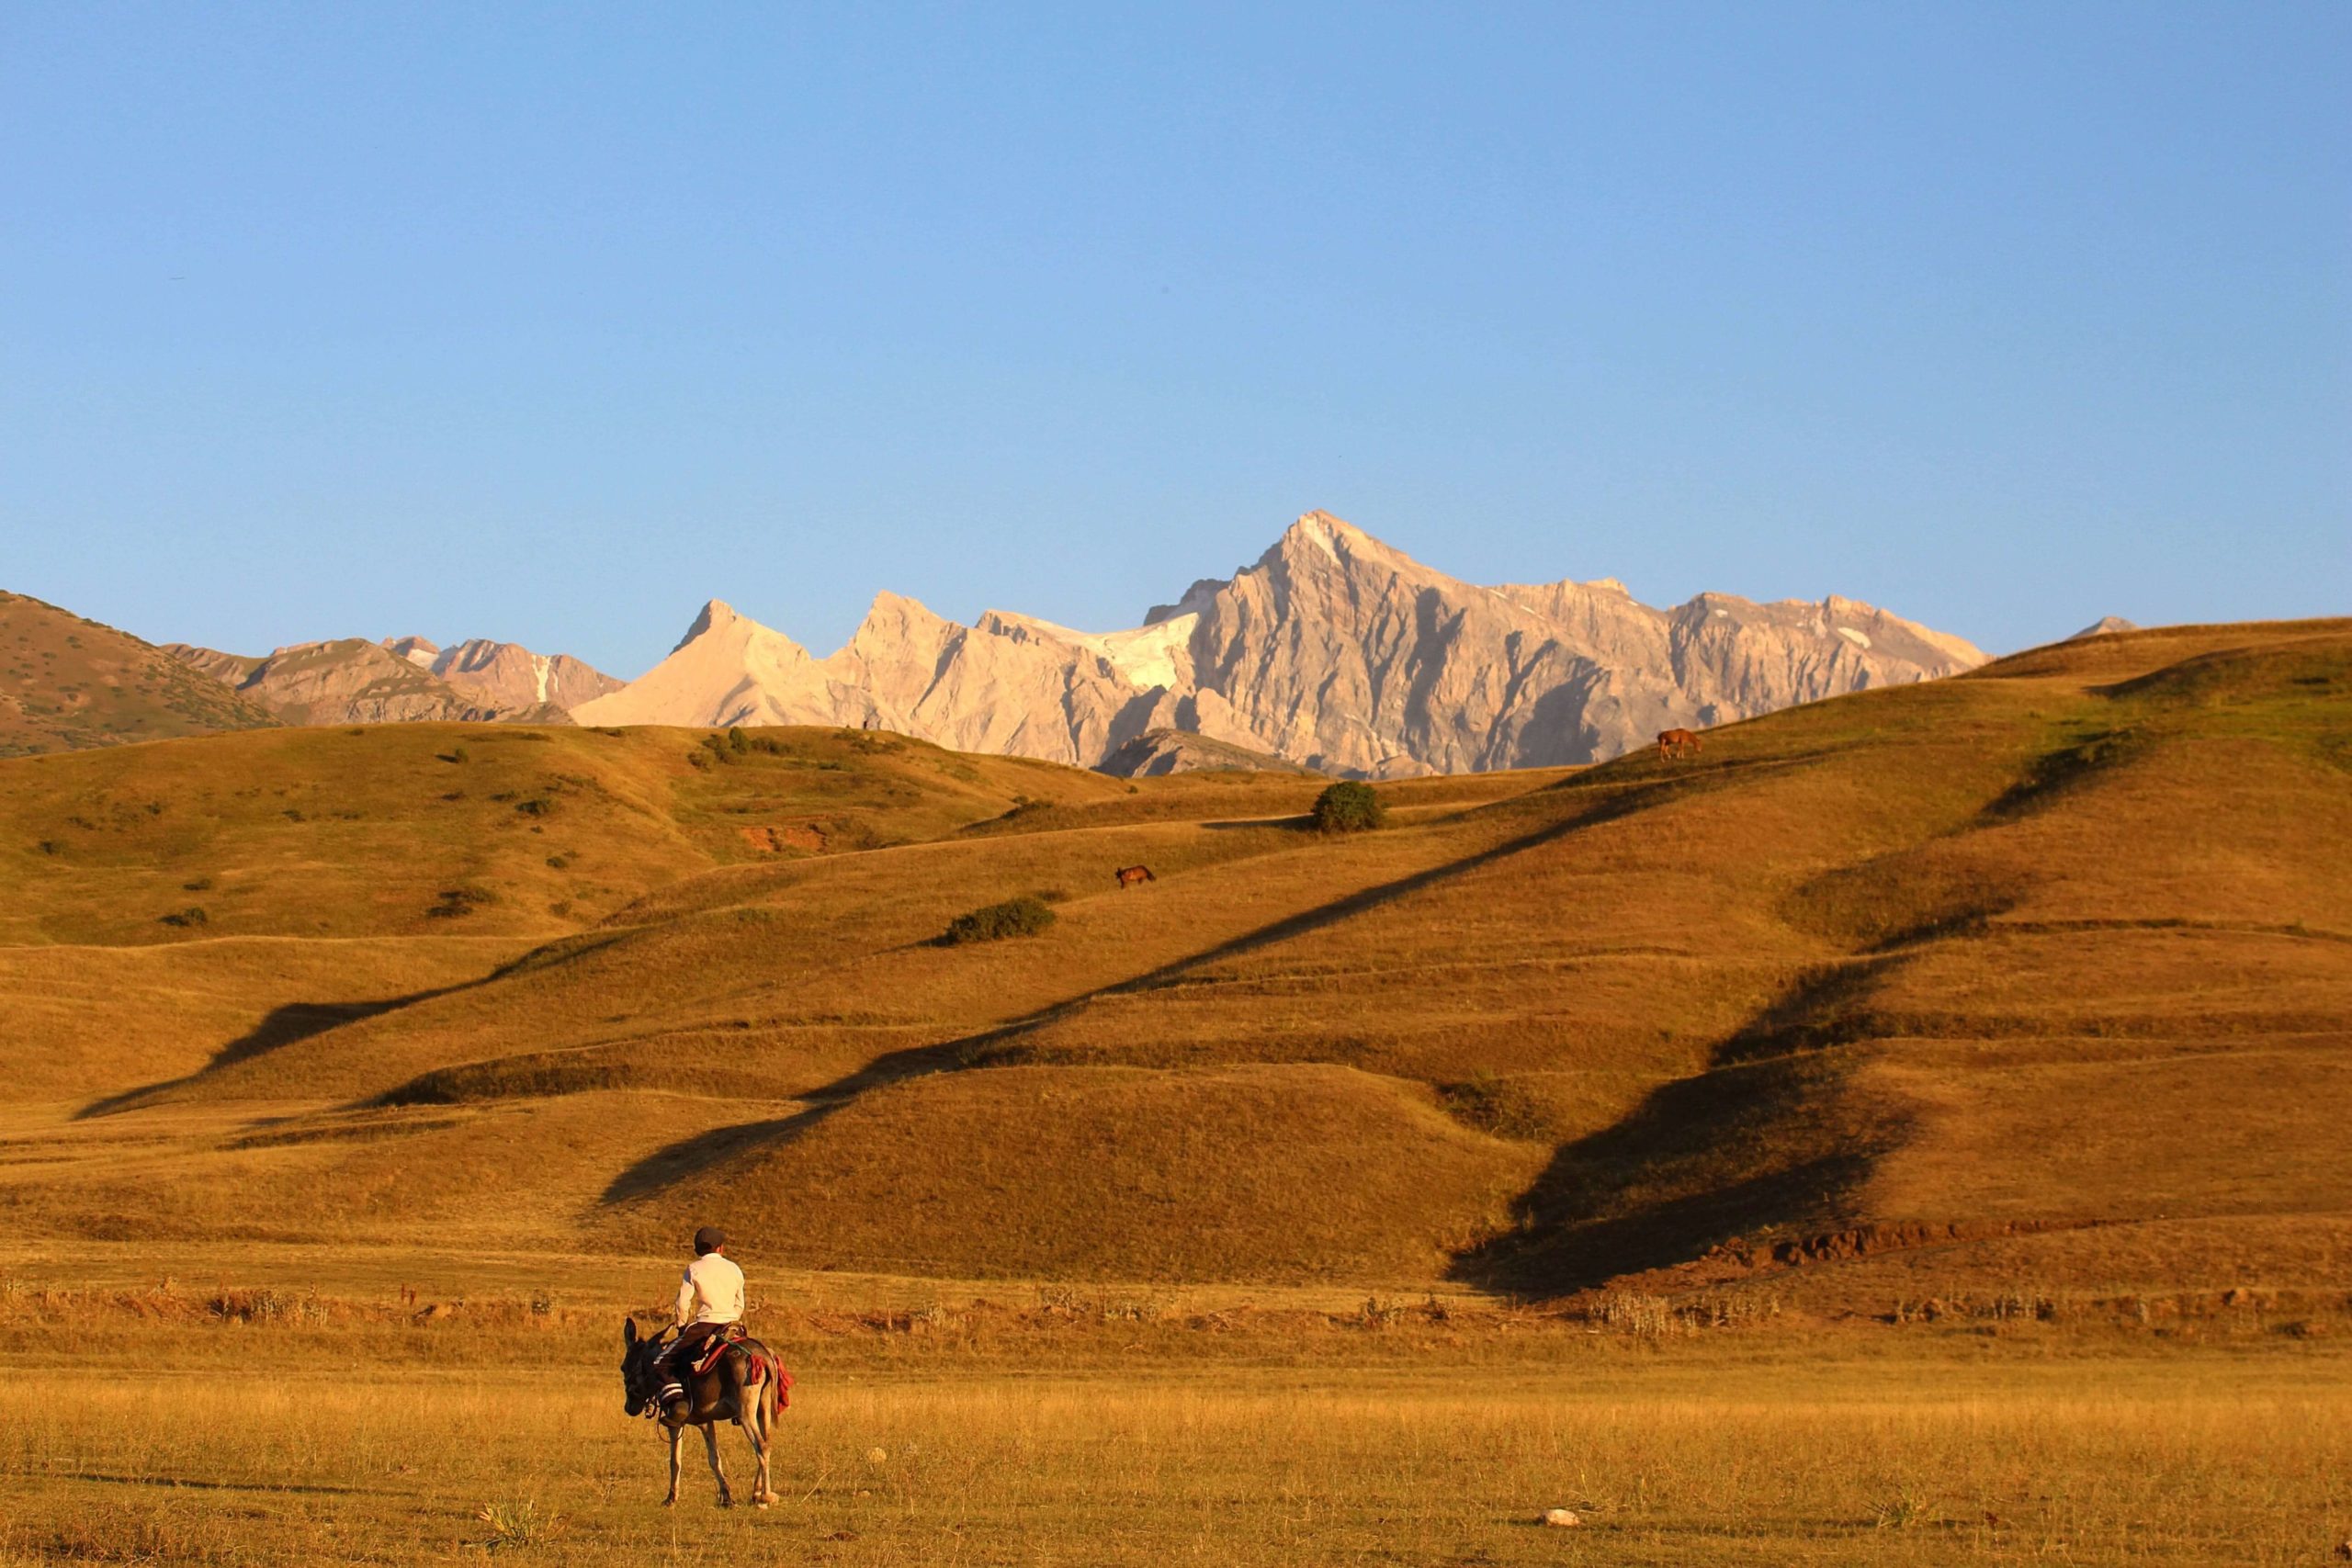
point(2106, 626)
point(716, 615)
point(417, 650)
point(1333, 651)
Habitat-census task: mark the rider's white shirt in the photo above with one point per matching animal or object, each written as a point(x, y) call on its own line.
point(712, 1291)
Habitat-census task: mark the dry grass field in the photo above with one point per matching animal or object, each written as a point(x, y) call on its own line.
point(171, 1421)
point(1905, 1132)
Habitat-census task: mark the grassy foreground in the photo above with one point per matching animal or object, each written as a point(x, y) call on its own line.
point(1684, 1457)
point(340, 1405)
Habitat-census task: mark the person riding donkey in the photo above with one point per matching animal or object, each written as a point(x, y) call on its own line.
point(710, 1306)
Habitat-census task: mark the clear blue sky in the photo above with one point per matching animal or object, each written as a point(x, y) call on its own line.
point(549, 323)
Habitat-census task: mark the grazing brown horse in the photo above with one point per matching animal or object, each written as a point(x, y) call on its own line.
point(746, 1385)
point(1129, 876)
point(1676, 742)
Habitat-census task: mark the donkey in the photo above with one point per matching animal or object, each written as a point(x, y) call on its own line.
point(1675, 742)
point(1129, 876)
point(746, 1385)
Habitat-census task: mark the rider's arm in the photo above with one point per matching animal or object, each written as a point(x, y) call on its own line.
point(686, 1299)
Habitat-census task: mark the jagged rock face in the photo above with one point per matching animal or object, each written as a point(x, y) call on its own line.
point(349, 681)
point(508, 678)
point(416, 649)
point(404, 680)
point(1333, 651)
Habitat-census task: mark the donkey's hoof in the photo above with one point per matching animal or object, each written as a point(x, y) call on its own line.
point(727, 1501)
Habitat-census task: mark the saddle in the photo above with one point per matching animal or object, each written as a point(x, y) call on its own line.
point(716, 1347)
point(763, 1365)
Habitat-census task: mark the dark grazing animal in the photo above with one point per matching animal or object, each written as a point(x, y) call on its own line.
point(1676, 742)
point(746, 1384)
point(1129, 876)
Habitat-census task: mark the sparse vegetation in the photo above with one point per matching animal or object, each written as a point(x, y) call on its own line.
point(1499, 1105)
point(1349, 806)
point(1026, 916)
point(193, 915)
point(517, 1524)
point(457, 902)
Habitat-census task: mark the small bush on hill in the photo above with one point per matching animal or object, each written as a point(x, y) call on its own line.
point(1496, 1106)
point(191, 916)
point(457, 902)
point(1349, 807)
point(1025, 916)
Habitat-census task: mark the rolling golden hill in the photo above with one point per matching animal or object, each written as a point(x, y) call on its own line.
point(67, 683)
point(2043, 974)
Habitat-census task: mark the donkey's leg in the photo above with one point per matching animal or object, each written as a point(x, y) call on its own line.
point(677, 1452)
point(757, 1427)
point(717, 1466)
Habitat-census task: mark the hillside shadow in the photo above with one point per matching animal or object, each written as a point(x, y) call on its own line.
point(293, 1022)
point(705, 1151)
point(1608, 1204)
point(1653, 1190)
point(280, 1027)
point(691, 1157)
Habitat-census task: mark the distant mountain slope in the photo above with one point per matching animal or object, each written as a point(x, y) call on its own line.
point(2106, 626)
point(1333, 651)
point(67, 683)
point(348, 681)
point(406, 680)
point(1158, 752)
point(506, 677)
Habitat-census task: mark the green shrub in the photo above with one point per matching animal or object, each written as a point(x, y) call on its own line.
point(1349, 807)
point(1024, 916)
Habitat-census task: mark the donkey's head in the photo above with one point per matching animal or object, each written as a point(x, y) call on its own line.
point(639, 1382)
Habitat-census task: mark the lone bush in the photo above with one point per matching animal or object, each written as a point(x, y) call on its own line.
point(1349, 807)
point(1496, 1105)
point(1024, 916)
point(459, 902)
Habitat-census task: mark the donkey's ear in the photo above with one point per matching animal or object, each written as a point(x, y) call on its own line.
point(629, 1331)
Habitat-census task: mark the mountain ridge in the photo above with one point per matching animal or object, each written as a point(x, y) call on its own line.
point(1333, 651)
point(405, 680)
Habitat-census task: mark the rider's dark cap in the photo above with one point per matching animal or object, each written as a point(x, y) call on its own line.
point(710, 1238)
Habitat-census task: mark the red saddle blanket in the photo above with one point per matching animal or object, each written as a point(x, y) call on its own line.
point(765, 1365)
